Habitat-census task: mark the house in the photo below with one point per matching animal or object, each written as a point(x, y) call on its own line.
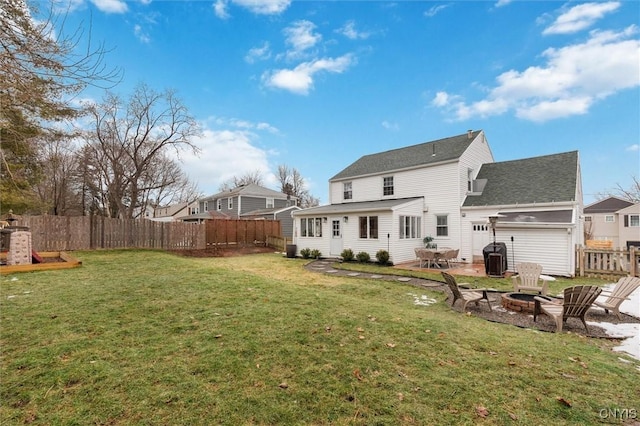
point(249, 201)
point(612, 223)
point(448, 189)
point(169, 213)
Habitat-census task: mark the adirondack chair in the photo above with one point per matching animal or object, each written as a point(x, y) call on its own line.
point(528, 278)
point(612, 300)
point(576, 302)
point(466, 295)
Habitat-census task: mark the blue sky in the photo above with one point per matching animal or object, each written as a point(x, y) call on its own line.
point(317, 84)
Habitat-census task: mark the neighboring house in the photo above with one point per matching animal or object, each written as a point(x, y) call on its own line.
point(447, 189)
point(603, 223)
point(629, 226)
point(169, 213)
point(247, 202)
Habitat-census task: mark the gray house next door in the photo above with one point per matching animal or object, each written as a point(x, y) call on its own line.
point(336, 237)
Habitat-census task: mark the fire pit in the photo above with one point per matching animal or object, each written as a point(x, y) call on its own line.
point(519, 302)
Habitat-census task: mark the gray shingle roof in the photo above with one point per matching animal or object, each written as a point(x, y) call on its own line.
point(545, 179)
point(608, 205)
point(249, 190)
point(411, 156)
point(344, 208)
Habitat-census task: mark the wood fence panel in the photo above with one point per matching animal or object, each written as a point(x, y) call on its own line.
point(607, 263)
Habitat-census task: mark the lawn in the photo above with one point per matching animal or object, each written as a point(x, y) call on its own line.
point(146, 337)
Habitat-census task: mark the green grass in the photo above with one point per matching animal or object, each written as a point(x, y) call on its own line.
point(145, 337)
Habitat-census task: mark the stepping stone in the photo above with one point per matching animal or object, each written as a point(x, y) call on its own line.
point(404, 280)
point(354, 274)
point(376, 276)
point(331, 271)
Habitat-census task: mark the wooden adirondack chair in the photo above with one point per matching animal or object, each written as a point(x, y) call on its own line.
point(528, 278)
point(575, 304)
point(612, 300)
point(466, 295)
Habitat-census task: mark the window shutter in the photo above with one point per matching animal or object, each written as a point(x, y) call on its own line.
point(626, 220)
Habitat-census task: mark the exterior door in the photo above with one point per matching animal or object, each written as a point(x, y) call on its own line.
point(481, 237)
point(336, 237)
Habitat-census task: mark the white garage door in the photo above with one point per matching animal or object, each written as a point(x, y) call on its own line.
point(549, 247)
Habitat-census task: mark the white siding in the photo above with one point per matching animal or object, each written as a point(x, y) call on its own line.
point(552, 248)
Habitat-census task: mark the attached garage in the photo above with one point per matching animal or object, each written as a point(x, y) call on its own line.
point(544, 237)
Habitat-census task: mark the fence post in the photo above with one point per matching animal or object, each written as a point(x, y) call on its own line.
point(633, 264)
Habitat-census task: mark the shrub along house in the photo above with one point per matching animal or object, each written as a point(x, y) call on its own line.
point(447, 189)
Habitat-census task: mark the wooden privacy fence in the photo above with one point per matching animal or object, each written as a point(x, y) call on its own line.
point(60, 233)
point(607, 263)
point(240, 232)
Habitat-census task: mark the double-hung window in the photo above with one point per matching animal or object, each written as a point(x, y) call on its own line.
point(442, 226)
point(609, 218)
point(270, 202)
point(219, 204)
point(634, 220)
point(409, 227)
point(347, 190)
point(230, 203)
point(387, 185)
point(368, 226)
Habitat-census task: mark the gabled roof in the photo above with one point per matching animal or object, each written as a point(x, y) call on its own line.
point(272, 211)
point(608, 205)
point(249, 190)
point(411, 156)
point(545, 179)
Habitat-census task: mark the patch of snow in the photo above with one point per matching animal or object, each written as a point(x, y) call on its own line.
point(422, 300)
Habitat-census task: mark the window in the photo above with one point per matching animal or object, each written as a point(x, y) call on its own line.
point(368, 226)
point(609, 218)
point(230, 203)
point(470, 180)
point(270, 203)
point(587, 218)
point(347, 191)
point(634, 220)
point(219, 204)
point(442, 228)
point(387, 185)
point(311, 227)
point(206, 206)
point(336, 228)
point(409, 227)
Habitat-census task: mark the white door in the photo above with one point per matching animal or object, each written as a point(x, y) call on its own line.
point(336, 238)
point(481, 236)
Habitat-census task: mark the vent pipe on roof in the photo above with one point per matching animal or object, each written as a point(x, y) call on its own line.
point(469, 133)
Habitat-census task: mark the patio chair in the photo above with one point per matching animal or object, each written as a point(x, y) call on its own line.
point(450, 256)
point(576, 302)
point(466, 295)
point(528, 278)
point(613, 299)
point(423, 256)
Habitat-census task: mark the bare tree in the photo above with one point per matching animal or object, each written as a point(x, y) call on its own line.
point(42, 67)
point(130, 144)
point(254, 177)
point(292, 183)
point(632, 193)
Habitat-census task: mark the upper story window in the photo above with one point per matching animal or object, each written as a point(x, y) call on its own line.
point(347, 191)
point(387, 185)
point(230, 203)
point(634, 220)
point(206, 206)
point(470, 180)
point(587, 218)
point(270, 203)
point(368, 226)
point(219, 204)
point(609, 218)
point(193, 210)
point(442, 226)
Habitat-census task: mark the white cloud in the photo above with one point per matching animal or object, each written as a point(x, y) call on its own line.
point(300, 79)
point(300, 36)
point(502, 3)
point(258, 53)
point(434, 10)
point(141, 34)
point(349, 30)
point(633, 148)
point(264, 7)
point(390, 126)
point(580, 17)
point(111, 6)
point(224, 154)
point(573, 79)
point(220, 9)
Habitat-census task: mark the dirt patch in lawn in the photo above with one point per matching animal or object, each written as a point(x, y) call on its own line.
point(224, 251)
